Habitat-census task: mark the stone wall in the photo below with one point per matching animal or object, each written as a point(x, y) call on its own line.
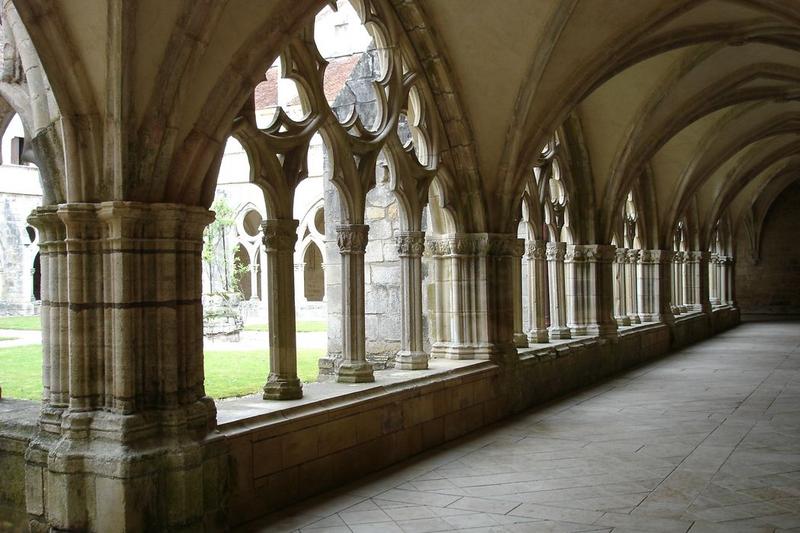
point(17, 254)
point(772, 284)
point(301, 452)
point(382, 277)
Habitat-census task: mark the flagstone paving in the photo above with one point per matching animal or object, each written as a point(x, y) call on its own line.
point(704, 440)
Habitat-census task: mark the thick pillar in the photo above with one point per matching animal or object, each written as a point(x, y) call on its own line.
point(354, 367)
point(460, 278)
point(700, 284)
point(621, 287)
point(474, 304)
point(520, 338)
point(654, 286)
point(631, 291)
point(536, 255)
point(125, 441)
point(590, 289)
point(410, 245)
point(279, 237)
point(556, 252)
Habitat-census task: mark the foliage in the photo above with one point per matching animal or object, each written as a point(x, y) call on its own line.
point(215, 246)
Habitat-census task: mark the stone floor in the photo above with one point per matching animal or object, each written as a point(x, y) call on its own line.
point(705, 440)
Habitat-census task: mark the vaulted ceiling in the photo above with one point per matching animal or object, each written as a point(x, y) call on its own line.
point(699, 97)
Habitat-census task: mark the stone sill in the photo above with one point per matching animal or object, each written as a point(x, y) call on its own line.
point(236, 415)
point(246, 412)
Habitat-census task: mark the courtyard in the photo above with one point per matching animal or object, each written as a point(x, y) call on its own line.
point(231, 368)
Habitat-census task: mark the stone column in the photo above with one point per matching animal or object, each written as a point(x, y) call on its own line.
point(654, 286)
point(686, 299)
point(520, 338)
point(621, 286)
point(675, 279)
point(410, 245)
point(556, 252)
point(299, 281)
point(55, 342)
point(461, 285)
point(590, 289)
point(713, 276)
point(536, 255)
point(730, 265)
point(127, 425)
point(474, 304)
point(254, 266)
point(631, 292)
point(279, 237)
point(690, 280)
point(354, 367)
point(701, 281)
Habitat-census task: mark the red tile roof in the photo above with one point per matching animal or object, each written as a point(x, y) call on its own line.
point(337, 73)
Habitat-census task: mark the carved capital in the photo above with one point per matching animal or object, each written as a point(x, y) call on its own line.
point(556, 251)
point(633, 256)
point(655, 257)
point(410, 243)
point(620, 255)
point(504, 245)
point(279, 235)
point(352, 238)
point(536, 250)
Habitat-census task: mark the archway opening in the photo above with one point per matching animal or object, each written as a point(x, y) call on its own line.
point(313, 275)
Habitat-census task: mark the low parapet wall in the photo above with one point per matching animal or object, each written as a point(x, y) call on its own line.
point(285, 454)
point(297, 454)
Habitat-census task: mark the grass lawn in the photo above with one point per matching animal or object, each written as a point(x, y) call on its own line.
point(35, 323)
point(228, 373)
point(302, 326)
point(7, 339)
point(21, 322)
point(21, 372)
point(234, 373)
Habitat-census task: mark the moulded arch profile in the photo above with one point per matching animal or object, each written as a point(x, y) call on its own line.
point(314, 220)
point(248, 222)
point(280, 96)
point(442, 221)
point(353, 44)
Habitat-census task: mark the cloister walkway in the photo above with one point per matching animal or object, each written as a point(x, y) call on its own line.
point(705, 440)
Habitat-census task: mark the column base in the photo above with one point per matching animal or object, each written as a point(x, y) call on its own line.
point(283, 389)
point(647, 317)
point(467, 351)
point(407, 360)
point(560, 333)
point(520, 340)
point(634, 319)
point(606, 330)
point(355, 372)
point(624, 320)
point(538, 336)
point(167, 483)
point(579, 331)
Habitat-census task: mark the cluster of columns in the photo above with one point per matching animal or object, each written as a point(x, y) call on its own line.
point(721, 275)
point(578, 290)
point(123, 346)
point(122, 343)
